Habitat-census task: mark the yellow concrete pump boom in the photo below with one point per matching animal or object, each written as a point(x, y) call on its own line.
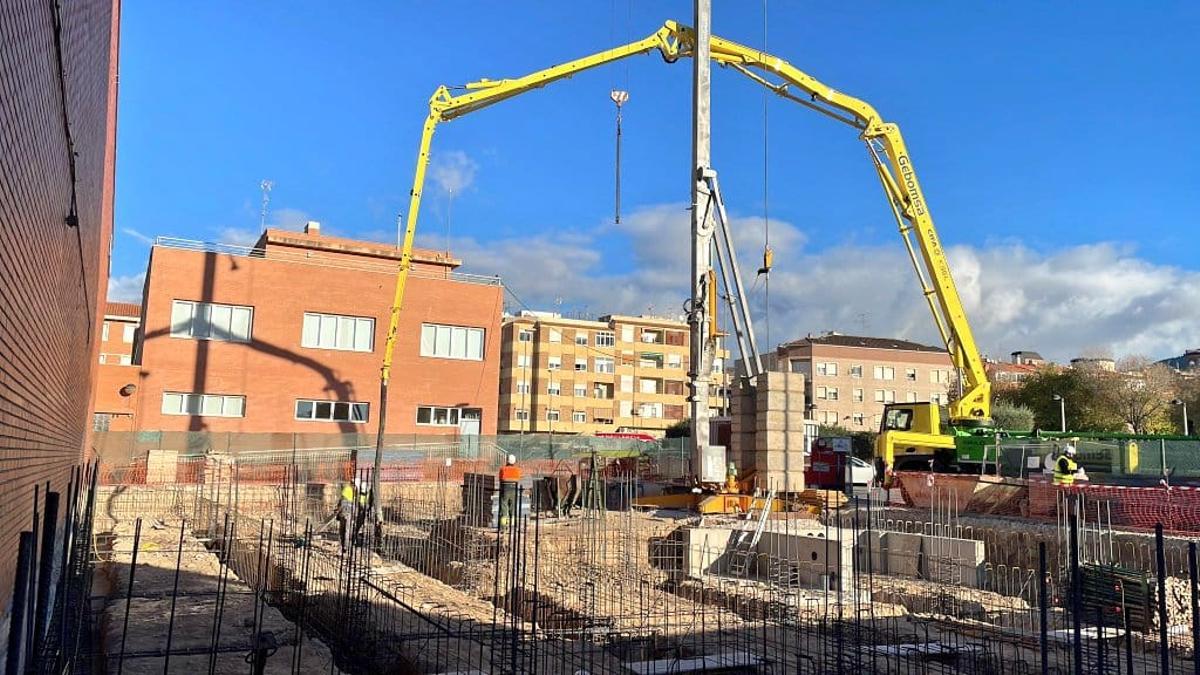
point(884, 143)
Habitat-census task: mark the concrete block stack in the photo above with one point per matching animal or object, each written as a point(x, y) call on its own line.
point(779, 431)
point(743, 421)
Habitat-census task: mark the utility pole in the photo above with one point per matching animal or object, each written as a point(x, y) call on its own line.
point(700, 370)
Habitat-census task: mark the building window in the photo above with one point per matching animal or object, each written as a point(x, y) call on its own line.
point(580, 390)
point(796, 366)
point(104, 331)
point(524, 335)
point(605, 339)
point(579, 416)
point(605, 366)
point(718, 365)
point(210, 321)
point(335, 331)
point(885, 395)
point(522, 360)
point(127, 333)
point(858, 418)
point(627, 384)
point(832, 392)
point(206, 405)
point(857, 396)
point(885, 373)
point(581, 338)
point(940, 399)
point(856, 370)
point(554, 363)
point(910, 397)
point(522, 414)
point(828, 368)
point(910, 374)
point(647, 386)
point(552, 415)
point(554, 335)
point(554, 388)
point(523, 387)
point(821, 393)
point(626, 333)
point(939, 376)
point(437, 416)
point(101, 421)
point(674, 360)
point(318, 410)
point(451, 342)
point(581, 365)
point(650, 410)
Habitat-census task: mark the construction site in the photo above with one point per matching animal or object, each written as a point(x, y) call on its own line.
point(970, 548)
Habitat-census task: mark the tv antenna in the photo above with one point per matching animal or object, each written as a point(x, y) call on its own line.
point(266, 186)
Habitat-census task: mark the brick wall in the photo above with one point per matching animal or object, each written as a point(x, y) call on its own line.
point(52, 276)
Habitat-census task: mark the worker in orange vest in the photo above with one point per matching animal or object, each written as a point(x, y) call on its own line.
point(510, 478)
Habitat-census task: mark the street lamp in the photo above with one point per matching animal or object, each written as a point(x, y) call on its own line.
point(1062, 410)
point(1181, 402)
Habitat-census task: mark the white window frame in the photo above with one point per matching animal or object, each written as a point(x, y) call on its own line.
point(581, 365)
point(554, 388)
point(339, 332)
point(524, 335)
point(521, 414)
point(194, 405)
point(858, 418)
point(522, 360)
point(128, 333)
point(187, 328)
point(832, 393)
point(581, 338)
point(821, 393)
point(606, 338)
point(461, 343)
point(674, 360)
point(452, 416)
point(604, 365)
point(104, 332)
point(910, 374)
point(856, 371)
point(910, 397)
point(554, 363)
point(579, 416)
point(580, 391)
point(553, 415)
point(857, 395)
point(354, 409)
point(554, 335)
point(522, 387)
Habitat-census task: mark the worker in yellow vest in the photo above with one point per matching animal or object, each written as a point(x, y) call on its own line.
point(1066, 467)
point(352, 510)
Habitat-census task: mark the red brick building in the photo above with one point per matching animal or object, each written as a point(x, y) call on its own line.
point(113, 401)
point(58, 75)
point(288, 336)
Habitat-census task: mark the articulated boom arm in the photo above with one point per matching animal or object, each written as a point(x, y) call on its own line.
point(899, 179)
point(884, 142)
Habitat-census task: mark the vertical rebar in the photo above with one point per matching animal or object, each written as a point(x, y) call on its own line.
point(1192, 582)
point(20, 604)
point(1076, 599)
point(1043, 610)
point(137, 538)
point(174, 598)
point(1160, 560)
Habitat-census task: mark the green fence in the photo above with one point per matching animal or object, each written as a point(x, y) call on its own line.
point(1114, 455)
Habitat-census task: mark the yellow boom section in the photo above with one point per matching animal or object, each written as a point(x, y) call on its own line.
point(884, 142)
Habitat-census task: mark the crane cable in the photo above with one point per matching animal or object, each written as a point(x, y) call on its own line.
point(768, 254)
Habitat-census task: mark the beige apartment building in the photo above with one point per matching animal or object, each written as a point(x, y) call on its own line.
point(849, 378)
point(620, 373)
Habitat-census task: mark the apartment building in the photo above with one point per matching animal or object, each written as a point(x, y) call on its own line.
point(620, 373)
point(288, 336)
point(849, 378)
point(116, 377)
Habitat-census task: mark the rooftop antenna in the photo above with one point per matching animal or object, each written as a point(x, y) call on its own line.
point(266, 186)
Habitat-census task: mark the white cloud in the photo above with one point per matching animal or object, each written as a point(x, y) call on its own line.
point(1061, 303)
point(149, 241)
point(126, 288)
point(453, 171)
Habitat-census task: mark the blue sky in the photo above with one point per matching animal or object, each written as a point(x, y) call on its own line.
point(1047, 137)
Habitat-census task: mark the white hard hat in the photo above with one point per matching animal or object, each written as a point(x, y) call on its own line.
point(512, 459)
point(1070, 450)
point(360, 484)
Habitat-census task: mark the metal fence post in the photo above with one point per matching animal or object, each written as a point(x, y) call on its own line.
point(1195, 606)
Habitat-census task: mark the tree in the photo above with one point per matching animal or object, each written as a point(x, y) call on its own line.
point(1139, 393)
point(1012, 416)
point(1085, 412)
point(680, 429)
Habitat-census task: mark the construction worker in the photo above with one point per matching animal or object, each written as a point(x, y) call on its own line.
point(1066, 467)
point(352, 511)
point(510, 478)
